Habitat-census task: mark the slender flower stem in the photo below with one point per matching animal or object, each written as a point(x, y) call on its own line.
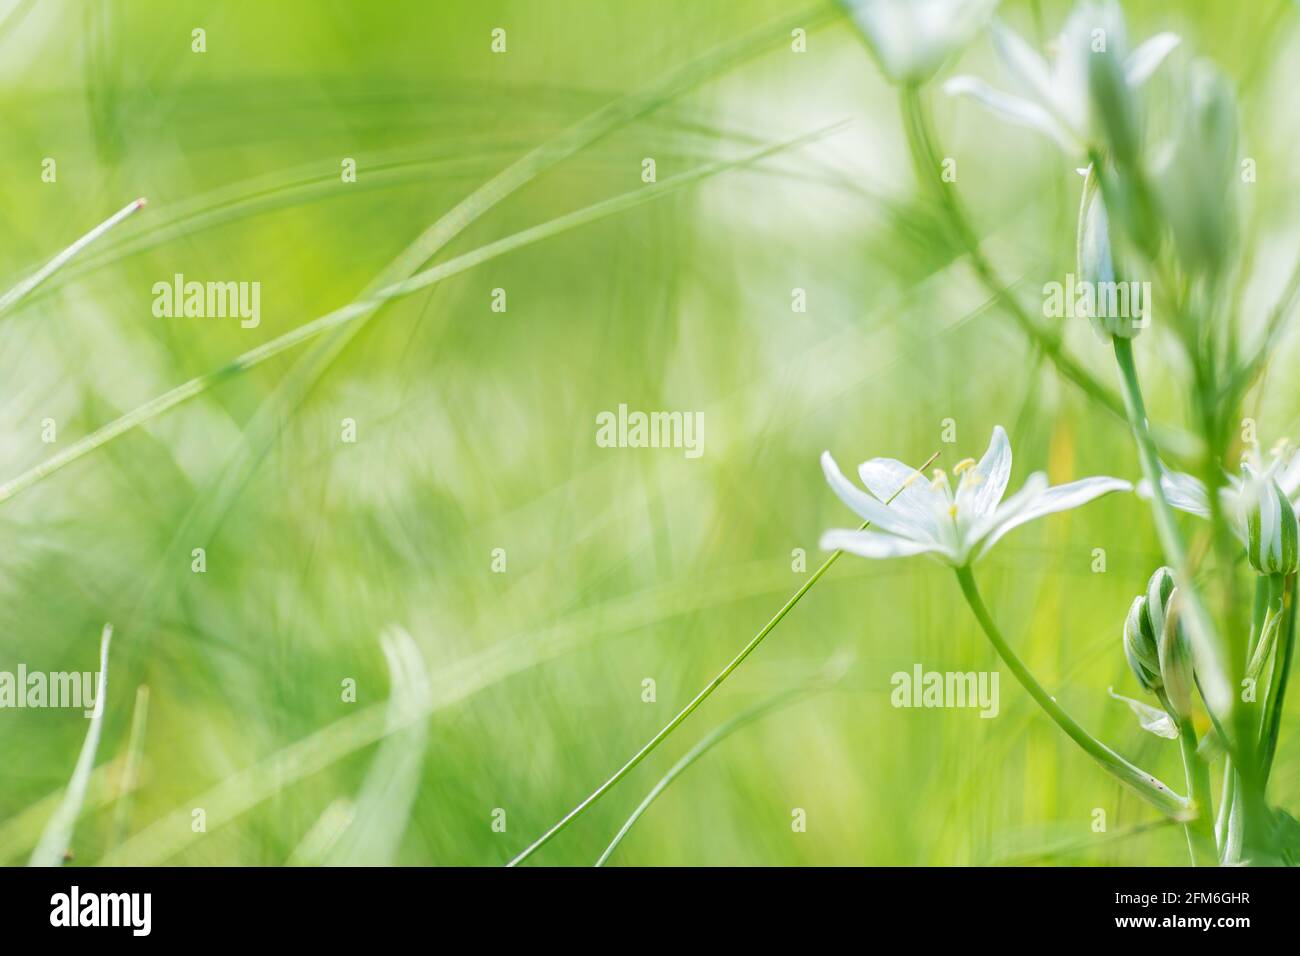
point(925, 158)
point(1142, 783)
point(1269, 630)
point(1277, 685)
point(699, 698)
point(1248, 815)
point(1227, 798)
point(1200, 831)
point(1211, 672)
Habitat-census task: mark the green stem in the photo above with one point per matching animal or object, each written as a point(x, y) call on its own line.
point(1227, 797)
point(699, 698)
point(1200, 831)
point(1277, 685)
point(1230, 854)
point(925, 158)
point(1204, 634)
point(1269, 630)
point(1142, 783)
point(717, 735)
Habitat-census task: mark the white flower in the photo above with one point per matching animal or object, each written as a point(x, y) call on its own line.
point(929, 518)
point(1187, 492)
point(1259, 505)
point(1056, 97)
point(912, 38)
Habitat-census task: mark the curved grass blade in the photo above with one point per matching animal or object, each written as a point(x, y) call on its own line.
point(28, 285)
point(264, 429)
point(460, 682)
point(55, 840)
point(22, 831)
point(714, 737)
point(363, 307)
point(381, 811)
point(324, 834)
point(699, 698)
point(131, 768)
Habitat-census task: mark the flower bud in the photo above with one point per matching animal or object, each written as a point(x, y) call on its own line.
point(1160, 589)
point(1095, 262)
point(1140, 646)
point(1143, 627)
point(1176, 667)
point(1271, 527)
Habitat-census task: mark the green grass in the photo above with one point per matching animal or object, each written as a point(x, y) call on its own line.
point(522, 690)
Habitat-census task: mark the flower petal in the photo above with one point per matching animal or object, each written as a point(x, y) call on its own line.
point(1288, 475)
point(1019, 111)
point(873, 544)
point(1060, 498)
point(1152, 719)
point(866, 506)
point(983, 486)
point(1146, 59)
point(884, 477)
point(974, 541)
point(1029, 69)
point(1181, 491)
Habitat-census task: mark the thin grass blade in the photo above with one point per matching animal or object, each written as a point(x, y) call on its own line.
point(57, 837)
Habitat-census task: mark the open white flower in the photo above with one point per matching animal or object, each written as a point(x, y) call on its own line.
point(1260, 505)
point(1055, 97)
point(930, 518)
point(912, 38)
point(1187, 492)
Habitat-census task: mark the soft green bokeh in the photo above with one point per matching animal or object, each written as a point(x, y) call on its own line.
point(476, 432)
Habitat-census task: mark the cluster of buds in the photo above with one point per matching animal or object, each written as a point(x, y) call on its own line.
point(1155, 643)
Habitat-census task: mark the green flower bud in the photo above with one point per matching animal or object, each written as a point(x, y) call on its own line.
point(1142, 629)
point(1095, 262)
point(1140, 646)
point(1176, 667)
point(1271, 528)
point(1160, 589)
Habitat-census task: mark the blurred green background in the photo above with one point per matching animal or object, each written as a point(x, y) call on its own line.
point(475, 432)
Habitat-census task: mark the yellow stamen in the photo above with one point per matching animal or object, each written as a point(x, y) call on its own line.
point(940, 478)
point(952, 510)
point(962, 465)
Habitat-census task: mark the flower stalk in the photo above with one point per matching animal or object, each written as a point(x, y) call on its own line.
point(1203, 632)
point(926, 160)
point(1145, 785)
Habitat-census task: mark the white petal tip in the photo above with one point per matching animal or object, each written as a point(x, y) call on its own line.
point(958, 85)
